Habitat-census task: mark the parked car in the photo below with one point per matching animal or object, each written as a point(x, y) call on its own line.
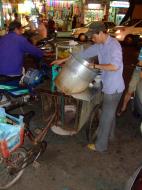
point(129, 32)
point(78, 32)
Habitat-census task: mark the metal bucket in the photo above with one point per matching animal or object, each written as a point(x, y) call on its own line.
point(75, 76)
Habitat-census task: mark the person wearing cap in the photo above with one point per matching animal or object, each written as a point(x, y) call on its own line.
point(13, 47)
point(109, 54)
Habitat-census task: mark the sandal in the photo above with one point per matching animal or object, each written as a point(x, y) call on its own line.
point(91, 147)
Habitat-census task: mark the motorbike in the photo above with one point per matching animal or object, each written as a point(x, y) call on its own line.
point(20, 91)
point(47, 45)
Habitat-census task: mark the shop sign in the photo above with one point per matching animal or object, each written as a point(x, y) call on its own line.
point(119, 4)
point(94, 6)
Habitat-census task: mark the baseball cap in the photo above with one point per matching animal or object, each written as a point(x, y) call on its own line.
point(95, 28)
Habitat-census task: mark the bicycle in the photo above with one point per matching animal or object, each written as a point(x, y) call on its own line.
point(12, 167)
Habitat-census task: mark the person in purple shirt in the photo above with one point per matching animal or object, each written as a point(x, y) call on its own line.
point(109, 54)
point(13, 47)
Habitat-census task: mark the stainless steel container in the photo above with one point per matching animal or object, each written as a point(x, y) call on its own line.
point(75, 76)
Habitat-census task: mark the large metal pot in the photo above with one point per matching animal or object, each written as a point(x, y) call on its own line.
point(75, 76)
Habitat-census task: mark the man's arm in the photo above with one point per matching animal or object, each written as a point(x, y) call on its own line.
point(115, 60)
point(27, 47)
point(106, 67)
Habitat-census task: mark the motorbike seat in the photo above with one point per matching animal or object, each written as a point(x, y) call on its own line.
point(5, 78)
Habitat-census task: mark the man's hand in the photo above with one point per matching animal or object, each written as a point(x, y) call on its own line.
point(59, 61)
point(91, 65)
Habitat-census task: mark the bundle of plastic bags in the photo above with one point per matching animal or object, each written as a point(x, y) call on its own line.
point(11, 132)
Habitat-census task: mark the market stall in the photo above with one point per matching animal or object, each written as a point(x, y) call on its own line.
point(74, 100)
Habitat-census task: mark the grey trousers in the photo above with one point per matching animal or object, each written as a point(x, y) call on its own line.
point(107, 121)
